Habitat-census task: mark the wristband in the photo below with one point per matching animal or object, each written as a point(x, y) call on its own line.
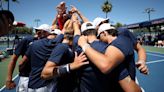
point(64, 69)
point(85, 46)
point(141, 61)
point(67, 67)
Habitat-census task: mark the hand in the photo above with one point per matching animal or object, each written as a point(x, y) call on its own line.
point(82, 40)
point(78, 61)
point(61, 8)
point(74, 18)
point(142, 67)
point(73, 9)
point(10, 84)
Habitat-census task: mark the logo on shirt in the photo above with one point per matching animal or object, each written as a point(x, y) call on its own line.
point(30, 43)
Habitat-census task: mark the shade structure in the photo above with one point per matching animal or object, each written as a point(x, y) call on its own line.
point(18, 24)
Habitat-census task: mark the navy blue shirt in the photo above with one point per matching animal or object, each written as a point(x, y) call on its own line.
point(61, 55)
point(23, 45)
point(38, 53)
point(127, 33)
point(90, 77)
point(20, 49)
point(126, 47)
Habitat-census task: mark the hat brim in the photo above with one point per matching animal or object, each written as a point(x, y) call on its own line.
point(88, 29)
point(36, 28)
point(107, 19)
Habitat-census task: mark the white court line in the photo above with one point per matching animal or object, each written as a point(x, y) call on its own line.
point(155, 55)
point(155, 61)
point(5, 85)
point(154, 52)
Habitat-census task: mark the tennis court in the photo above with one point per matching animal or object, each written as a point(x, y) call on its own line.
point(151, 83)
point(154, 81)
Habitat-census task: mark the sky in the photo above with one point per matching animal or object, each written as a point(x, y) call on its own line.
point(123, 11)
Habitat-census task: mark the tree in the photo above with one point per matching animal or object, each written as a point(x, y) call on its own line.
point(118, 24)
point(21, 30)
point(106, 7)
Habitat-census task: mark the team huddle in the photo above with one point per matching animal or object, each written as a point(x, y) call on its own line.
point(77, 55)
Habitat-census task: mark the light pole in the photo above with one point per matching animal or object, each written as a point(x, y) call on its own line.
point(1, 5)
point(148, 11)
point(37, 21)
point(8, 40)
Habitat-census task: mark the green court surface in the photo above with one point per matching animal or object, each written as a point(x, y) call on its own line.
point(3, 70)
point(154, 49)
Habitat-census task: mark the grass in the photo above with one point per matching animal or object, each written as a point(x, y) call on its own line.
point(3, 70)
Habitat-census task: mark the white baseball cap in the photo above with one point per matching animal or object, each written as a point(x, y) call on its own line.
point(98, 20)
point(86, 26)
point(44, 27)
point(103, 27)
point(56, 31)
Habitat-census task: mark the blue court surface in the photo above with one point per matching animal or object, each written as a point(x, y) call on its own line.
point(154, 82)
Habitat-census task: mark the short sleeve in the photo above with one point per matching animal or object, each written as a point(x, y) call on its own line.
point(58, 39)
point(123, 72)
point(19, 48)
point(28, 52)
point(127, 33)
point(57, 53)
point(75, 42)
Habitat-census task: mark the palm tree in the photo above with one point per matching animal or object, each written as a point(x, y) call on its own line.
point(106, 7)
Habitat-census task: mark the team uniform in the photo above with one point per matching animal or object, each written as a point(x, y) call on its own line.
point(20, 49)
point(90, 77)
point(125, 45)
point(38, 53)
point(61, 55)
point(131, 65)
point(127, 33)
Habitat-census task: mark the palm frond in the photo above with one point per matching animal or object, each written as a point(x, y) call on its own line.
point(106, 7)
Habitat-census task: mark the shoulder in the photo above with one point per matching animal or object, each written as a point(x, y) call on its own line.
point(124, 44)
point(121, 40)
point(99, 44)
point(28, 37)
point(61, 46)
